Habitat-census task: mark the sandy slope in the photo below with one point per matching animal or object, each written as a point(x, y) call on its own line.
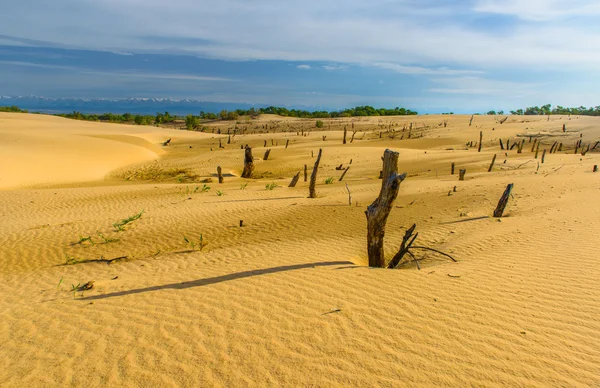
point(254, 307)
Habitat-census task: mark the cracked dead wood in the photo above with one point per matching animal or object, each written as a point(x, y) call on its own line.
point(503, 201)
point(267, 153)
point(344, 173)
point(248, 163)
point(294, 180)
point(492, 164)
point(377, 213)
point(312, 193)
point(220, 174)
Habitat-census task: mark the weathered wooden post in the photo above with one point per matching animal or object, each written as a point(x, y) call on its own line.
point(377, 213)
point(287, 142)
point(501, 144)
point(503, 201)
point(480, 140)
point(248, 163)
point(471, 121)
point(559, 147)
point(349, 193)
point(220, 174)
point(520, 146)
point(229, 139)
point(564, 128)
point(294, 180)
point(452, 169)
point(492, 165)
point(595, 169)
point(543, 155)
point(345, 132)
point(265, 144)
point(312, 193)
point(267, 153)
point(537, 150)
point(461, 174)
point(305, 173)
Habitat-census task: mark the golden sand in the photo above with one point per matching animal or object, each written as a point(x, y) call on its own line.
point(287, 299)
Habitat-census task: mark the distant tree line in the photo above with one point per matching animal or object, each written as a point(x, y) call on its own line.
point(319, 114)
point(558, 110)
point(12, 108)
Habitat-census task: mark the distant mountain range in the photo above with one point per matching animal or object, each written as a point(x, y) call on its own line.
point(131, 105)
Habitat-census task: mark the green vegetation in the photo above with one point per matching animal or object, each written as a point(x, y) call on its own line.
point(200, 245)
point(120, 226)
point(192, 122)
point(319, 124)
point(12, 108)
point(271, 186)
point(329, 181)
point(558, 110)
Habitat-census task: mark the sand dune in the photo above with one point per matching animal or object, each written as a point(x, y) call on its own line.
point(287, 299)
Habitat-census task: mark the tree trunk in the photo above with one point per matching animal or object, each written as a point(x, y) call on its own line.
point(305, 173)
point(312, 193)
point(248, 163)
point(452, 169)
point(492, 165)
point(543, 155)
point(503, 201)
point(294, 180)
point(378, 212)
point(345, 132)
point(267, 153)
point(480, 140)
point(344, 173)
point(287, 142)
point(220, 174)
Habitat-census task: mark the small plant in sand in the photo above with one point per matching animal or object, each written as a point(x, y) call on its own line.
point(69, 260)
point(329, 181)
point(84, 239)
point(195, 246)
point(205, 188)
point(120, 226)
point(106, 240)
point(319, 124)
point(271, 186)
point(220, 193)
point(243, 186)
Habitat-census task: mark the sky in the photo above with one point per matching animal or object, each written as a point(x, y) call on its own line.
point(433, 56)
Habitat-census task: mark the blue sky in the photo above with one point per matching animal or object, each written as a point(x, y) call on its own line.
point(428, 55)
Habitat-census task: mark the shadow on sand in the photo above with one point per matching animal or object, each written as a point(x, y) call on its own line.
point(217, 279)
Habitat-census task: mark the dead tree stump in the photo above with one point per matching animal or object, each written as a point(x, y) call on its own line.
point(492, 164)
point(543, 155)
point(248, 163)
point(294, 180)
point(503, 201)
point(305, 173)
point(471, 121)
point(461, 174)
point(345, 132)
point(220, 174)
point(480, 140)
point(595, 169)
point(537, 150)
point(501, 144)
point(267, 153)
point(265, 144)
point(344, 173)
point(378, 212)
point(452, 169)
point(312, 193)
point(287, 142)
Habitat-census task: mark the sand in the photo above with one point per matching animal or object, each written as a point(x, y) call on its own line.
point(287, 299)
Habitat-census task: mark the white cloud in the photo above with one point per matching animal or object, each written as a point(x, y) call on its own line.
point(334, 67)
point(435, 35)
point(304, 67)
point(539, 10)
point(423, 70)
